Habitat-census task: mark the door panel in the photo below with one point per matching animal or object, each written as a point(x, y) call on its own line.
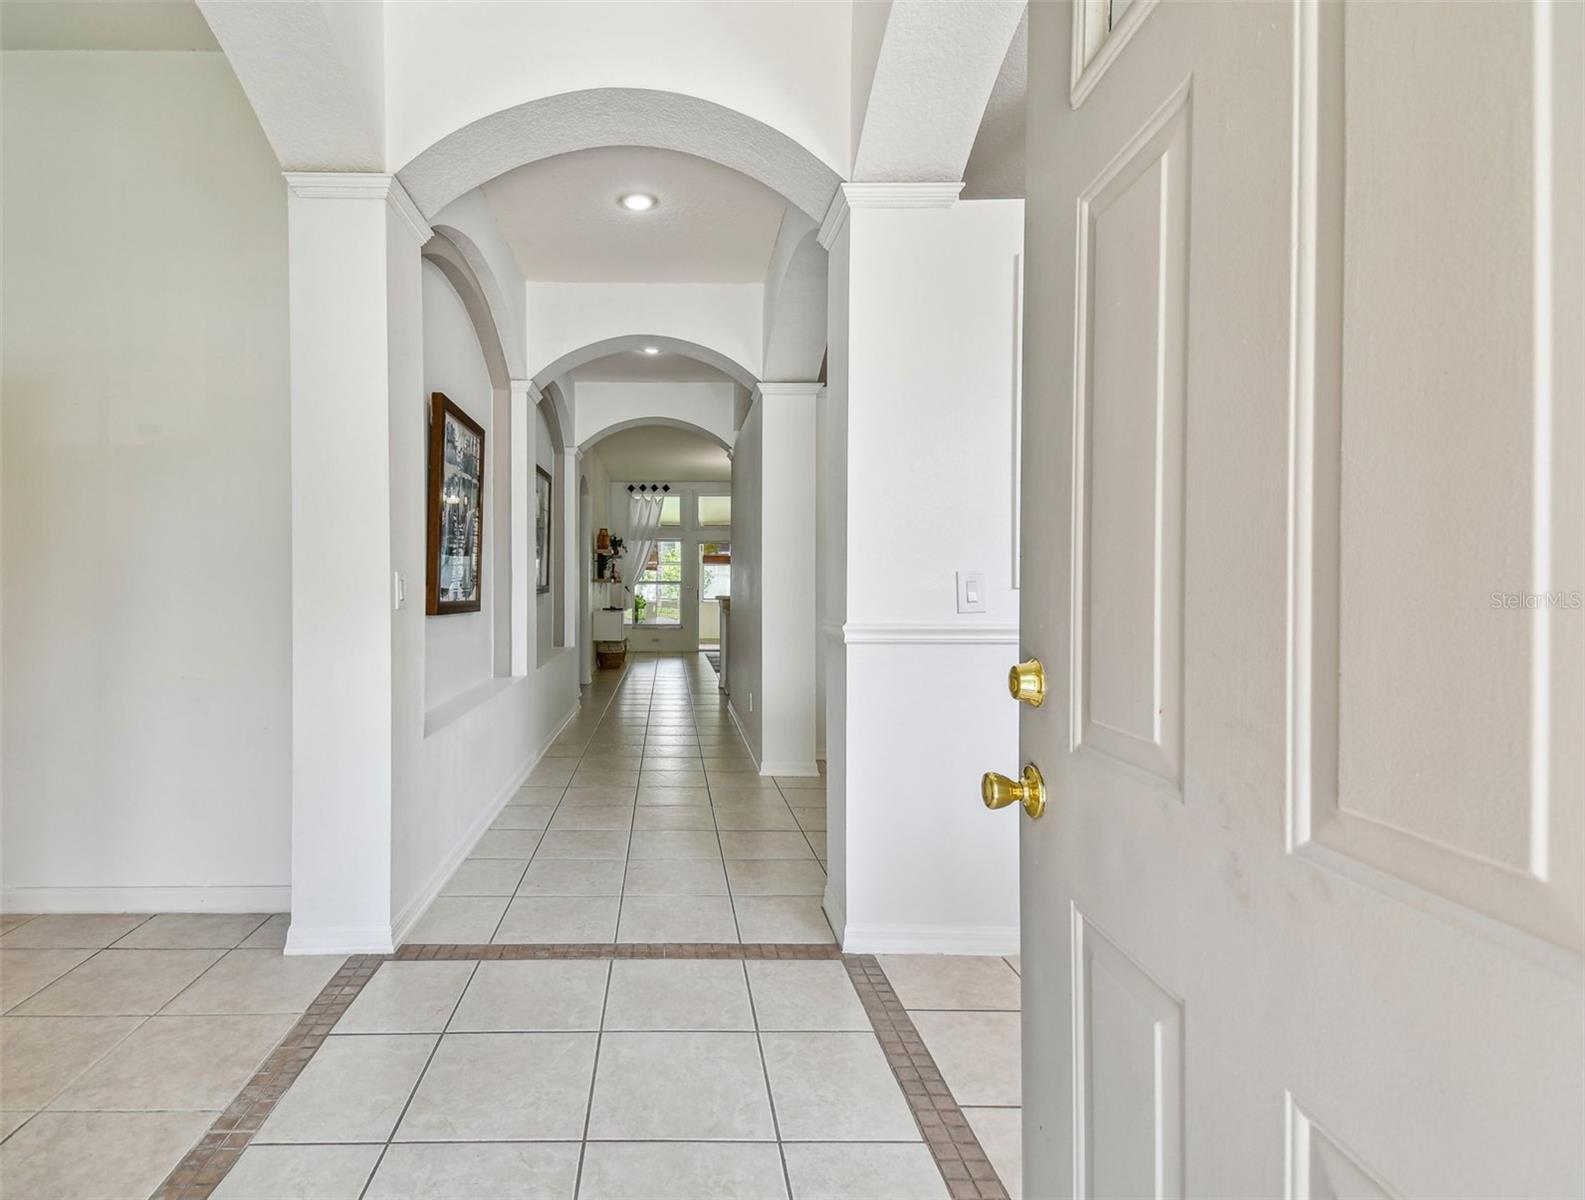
point(1429, 430)
point(1128, 1077)
point(1128, 472)
point(1302, 434)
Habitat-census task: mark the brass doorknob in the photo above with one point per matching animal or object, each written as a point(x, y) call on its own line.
point(1027, 683)
point(998, 791)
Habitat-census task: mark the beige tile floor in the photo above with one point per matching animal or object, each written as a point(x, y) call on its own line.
point(646, 821)
point(650, 1078)
point(123, 1036)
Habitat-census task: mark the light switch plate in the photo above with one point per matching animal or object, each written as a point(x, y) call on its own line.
point(971, 591)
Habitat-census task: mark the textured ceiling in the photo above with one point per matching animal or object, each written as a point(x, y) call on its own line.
point(104, 25)
point(664, 454)
point(996, 164)
point(564, 224)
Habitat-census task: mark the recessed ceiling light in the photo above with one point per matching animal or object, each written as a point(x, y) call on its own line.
point(637, 201)
point(651, 349)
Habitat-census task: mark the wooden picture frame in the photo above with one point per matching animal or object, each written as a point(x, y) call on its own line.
point(454, 571)
point(544, 489)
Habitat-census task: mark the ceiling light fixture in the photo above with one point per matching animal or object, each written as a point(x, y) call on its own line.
point(651, 349)
point(637, 201)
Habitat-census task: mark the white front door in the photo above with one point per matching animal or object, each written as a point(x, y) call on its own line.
point(1303, 531)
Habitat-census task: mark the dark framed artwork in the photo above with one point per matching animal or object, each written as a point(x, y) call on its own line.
point(541, 530)
point(454, 580)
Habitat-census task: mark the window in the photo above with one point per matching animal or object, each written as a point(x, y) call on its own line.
point(671, 511)
point(715, 510)
point(657, 596)
point(715, 570)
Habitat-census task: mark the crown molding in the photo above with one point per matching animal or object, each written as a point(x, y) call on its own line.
point(361, 185)
point(883, 195)
point(771, 387)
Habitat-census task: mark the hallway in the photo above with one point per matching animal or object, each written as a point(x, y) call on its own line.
point(639, 933)
point(646, 821)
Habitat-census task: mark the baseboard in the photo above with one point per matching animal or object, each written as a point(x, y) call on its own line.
point(339, 939)
point(748, 743)
point(260, 899)
point(930, 939)
point(789, 768)
point(425, 896)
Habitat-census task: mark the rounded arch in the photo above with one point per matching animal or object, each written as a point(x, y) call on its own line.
point(640, 422)
point(795, 337)
point(583, 120)
point(632, 342)
point(447, 256)
point(454, 251)
point(557, 416)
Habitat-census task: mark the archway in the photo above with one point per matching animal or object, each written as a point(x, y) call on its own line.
point(552, 125)
point(634, 342)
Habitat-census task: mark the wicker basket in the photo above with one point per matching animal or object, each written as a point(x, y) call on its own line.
point(612, 656)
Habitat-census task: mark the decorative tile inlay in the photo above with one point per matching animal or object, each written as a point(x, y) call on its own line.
point(963, 1163)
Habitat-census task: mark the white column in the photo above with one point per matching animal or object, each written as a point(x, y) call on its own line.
point(921, 398)
point(787, 568)
point(356, 398)
point(524, 432)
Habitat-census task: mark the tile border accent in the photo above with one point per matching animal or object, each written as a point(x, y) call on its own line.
point(542, 950)
point(958, 1155)
point(206, 1164)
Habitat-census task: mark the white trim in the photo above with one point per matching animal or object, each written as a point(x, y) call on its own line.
point(415, 908)
point(771, 387)
point(753, 750)
point(930, 939)
point(849, 196)
point(831, 630)
point(938, 194)
point(361, 185)
point(262, 898)
point(801, 770)
point(339, 939)
point(1086, 74)
point(904, 633)
point(836, 220)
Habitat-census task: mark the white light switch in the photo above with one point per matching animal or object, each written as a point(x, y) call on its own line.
point(398, 590)
point(971, 591)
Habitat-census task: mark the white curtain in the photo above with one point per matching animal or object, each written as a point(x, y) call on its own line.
point(643, 521)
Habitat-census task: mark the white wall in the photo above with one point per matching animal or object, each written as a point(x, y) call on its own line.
point(463, 757)
point(459, 647)
point(600, 406)
point(928, 341)
point(146, 564)
point(723, 317)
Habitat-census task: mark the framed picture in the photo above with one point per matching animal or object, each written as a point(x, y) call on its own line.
point(541, 530)
point(454, 574)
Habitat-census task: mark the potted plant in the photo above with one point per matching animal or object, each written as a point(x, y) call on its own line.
point(638, 608)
